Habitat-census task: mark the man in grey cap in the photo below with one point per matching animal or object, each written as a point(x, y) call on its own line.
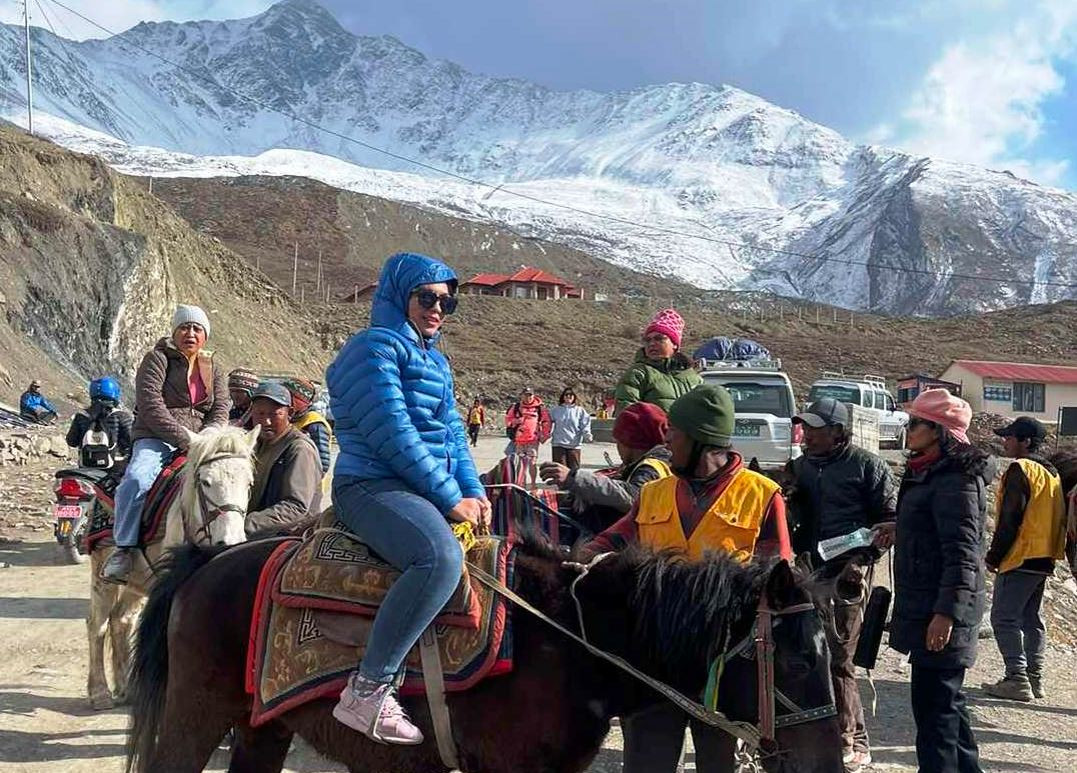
point(1030, 535)
point(836, 489)
point(289, 474)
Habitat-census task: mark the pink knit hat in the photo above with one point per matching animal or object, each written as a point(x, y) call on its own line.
point(667, 322)
point(941, 407)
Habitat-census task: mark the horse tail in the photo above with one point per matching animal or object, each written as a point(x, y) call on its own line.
point(148, 682)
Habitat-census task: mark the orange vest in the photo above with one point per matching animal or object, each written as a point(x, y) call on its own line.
point(731, 523)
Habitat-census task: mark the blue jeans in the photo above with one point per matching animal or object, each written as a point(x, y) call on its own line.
point(410, 533)
point(147, 458)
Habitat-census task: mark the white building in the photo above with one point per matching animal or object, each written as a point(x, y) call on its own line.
point(1014, 388)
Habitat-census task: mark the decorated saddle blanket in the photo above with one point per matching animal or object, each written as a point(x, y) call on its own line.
point(307, 635)
point(515, 506)
point(159, 498)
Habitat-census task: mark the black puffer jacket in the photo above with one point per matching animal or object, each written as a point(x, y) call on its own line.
point(938, 557)
point(837, 494)
point(116, 423)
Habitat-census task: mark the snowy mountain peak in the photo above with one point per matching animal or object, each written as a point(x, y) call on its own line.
point(710, 183)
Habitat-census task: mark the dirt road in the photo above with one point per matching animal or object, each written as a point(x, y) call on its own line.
point(47, 725)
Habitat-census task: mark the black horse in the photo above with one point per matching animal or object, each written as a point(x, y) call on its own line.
point(667, 616)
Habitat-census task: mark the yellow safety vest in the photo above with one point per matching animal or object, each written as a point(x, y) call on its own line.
point(732, 522)
point(1043, 529)
point(659, 466)
point(312, 417)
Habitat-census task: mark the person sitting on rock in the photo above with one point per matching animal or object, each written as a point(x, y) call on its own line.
point(288, 474)
point(35, 407)
point(599, 500)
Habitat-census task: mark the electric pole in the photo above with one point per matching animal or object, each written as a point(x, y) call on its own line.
point(29, 72)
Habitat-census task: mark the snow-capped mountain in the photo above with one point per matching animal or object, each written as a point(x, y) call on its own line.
point(694, 180)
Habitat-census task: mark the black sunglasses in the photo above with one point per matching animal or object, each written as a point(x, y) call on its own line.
point(915, 422)
point(428, 299)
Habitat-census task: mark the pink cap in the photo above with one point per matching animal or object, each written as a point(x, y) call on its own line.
point(667, 322)
point(942, 408)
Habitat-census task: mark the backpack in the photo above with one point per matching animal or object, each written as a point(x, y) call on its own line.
point(95, 451)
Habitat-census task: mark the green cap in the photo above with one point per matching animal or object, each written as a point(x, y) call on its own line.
point(705, 414)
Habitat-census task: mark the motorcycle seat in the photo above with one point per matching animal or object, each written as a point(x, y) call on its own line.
point(86, 473)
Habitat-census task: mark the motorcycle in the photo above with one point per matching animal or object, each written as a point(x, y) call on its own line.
point(76, 498)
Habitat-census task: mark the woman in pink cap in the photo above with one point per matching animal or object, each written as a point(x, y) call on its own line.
point(661, 373)
point(939, 575)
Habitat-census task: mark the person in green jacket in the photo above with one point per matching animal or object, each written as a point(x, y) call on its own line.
point(661, 373)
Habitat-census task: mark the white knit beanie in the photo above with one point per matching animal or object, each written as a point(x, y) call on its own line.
point(185, 314)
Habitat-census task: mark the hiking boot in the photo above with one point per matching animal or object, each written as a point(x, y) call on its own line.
point(856, 760)
point(1014, 687)
point(1035, 681)
point(373, 710)
point(118, 566)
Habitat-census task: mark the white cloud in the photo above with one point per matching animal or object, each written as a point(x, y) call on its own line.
point(120, 15)
point(982, 101)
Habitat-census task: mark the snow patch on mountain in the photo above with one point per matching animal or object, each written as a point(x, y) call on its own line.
point(708, 183)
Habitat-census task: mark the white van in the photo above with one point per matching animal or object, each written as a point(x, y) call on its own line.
point(764, 402)
point(869, 392)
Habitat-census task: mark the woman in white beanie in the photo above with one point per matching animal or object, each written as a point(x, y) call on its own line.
point(177, 388)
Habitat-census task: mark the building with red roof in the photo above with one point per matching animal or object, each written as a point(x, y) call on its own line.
point(1015, 388)
point(530, 283)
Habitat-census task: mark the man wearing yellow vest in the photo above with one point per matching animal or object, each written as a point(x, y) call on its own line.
point(309, 421)
point(711, 502)
point(1030, 535)
point(598, 500)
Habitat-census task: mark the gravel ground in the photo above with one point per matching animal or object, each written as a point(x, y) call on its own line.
point(47, 725)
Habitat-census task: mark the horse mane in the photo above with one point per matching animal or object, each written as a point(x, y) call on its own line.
point(210, 442)
point(687, 611)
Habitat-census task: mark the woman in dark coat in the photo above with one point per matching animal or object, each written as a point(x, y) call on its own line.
point(939, 576)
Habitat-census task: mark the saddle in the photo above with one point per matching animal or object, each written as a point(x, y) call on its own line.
point(158, 500)
point(315, 605)
point(512, 506)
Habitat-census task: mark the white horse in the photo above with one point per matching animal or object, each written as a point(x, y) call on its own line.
point(210, 510)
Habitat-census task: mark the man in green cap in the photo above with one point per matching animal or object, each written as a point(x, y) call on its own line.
point(711, 502)
point(719, 503)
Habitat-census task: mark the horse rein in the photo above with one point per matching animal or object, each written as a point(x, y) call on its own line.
point(208, 510)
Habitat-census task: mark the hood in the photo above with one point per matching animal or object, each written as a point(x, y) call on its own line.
point(401, 274)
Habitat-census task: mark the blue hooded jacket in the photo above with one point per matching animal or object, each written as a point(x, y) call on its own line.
point(391, 394)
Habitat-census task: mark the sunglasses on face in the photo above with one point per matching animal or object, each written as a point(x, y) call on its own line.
point(655, 339)
point(428, 299)
point(915, 422)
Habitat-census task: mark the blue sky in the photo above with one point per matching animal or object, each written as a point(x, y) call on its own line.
point(990, 82)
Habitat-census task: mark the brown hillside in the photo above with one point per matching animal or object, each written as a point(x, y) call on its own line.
point(91, 268)
point(262, 218)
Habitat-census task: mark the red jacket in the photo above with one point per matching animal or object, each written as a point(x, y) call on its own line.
point(531, 420)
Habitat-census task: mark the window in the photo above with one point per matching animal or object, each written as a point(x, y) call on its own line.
point(842, 394)
point(1029, 397)
point(998, 393)
point(880, 401)
point(754, 397)
point(907, 394)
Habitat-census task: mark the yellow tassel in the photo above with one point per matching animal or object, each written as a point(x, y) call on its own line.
point(465, 535)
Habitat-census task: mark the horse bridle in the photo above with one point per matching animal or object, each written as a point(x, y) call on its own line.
point(762, 636)
point(208, 510)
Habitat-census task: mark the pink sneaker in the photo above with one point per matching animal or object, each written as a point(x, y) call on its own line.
point(373, 710)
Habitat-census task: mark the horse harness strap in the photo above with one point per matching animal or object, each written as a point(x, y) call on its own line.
point(742, 730)
point(208, 510)
point(434, 679)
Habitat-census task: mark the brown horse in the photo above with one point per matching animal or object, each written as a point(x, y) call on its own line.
point(667, 616)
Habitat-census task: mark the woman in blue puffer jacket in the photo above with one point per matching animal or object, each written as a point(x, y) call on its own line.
point(403, 474)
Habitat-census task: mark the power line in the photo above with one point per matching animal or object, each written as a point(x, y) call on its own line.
point(204, 76)
point(46, 17)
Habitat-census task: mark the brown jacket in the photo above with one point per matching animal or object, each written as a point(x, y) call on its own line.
point(163, 401)
point(287, 483)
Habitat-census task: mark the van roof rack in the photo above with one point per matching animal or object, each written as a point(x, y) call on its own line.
point(838, 375)
point(759, 363)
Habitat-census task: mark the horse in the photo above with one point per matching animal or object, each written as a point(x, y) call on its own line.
point(667, 616)
point(210, 508)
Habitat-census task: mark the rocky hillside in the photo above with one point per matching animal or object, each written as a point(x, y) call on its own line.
point(91, 267)
point(703, 182)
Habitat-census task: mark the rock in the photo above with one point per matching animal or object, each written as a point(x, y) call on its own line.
point(59, 447)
